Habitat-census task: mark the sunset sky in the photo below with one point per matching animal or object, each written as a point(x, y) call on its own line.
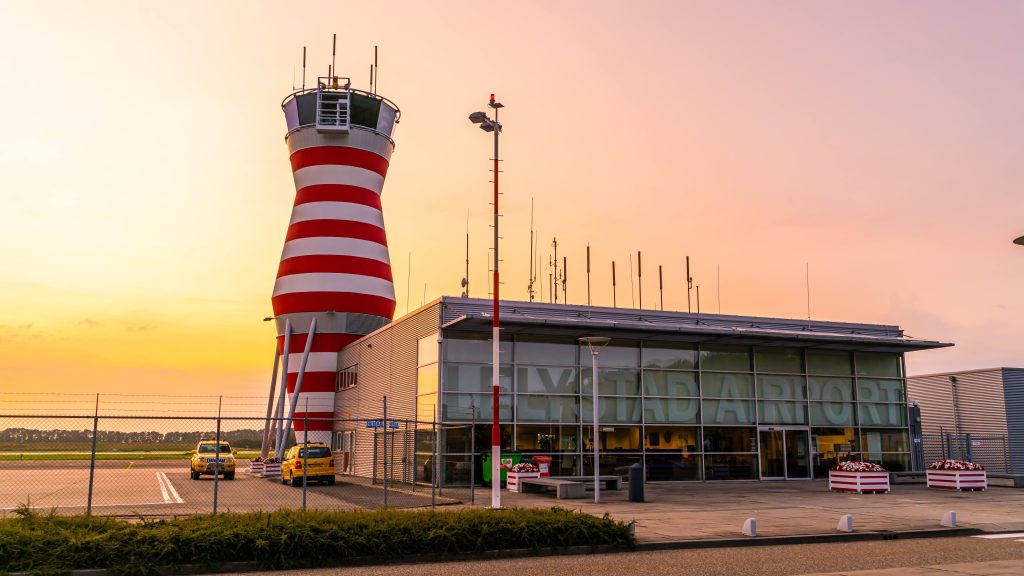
point(146, 188)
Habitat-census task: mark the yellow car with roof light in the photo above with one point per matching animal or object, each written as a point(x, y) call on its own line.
point(209, 457)
point(313, 461)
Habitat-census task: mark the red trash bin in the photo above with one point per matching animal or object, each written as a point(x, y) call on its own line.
point(544, 464)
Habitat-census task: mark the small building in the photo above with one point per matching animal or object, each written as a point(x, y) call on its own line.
point(689, 396)
point(967, 411)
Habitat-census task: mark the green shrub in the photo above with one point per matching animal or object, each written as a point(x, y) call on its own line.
point(48, 543)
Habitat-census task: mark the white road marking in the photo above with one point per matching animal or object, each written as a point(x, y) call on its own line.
point(1012, 535)
point(163, 488)
point(170, 488)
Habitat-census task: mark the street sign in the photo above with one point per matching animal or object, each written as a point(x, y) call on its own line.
point(380, 424)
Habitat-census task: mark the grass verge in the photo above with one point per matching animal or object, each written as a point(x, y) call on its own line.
point(33, 456)
point(47, 543)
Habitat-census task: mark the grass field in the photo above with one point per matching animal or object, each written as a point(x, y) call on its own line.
point(29, 456)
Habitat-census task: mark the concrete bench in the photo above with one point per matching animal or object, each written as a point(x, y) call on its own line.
point(610, 482)
point(564, 489)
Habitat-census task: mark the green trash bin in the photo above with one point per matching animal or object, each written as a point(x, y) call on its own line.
point(508, 459)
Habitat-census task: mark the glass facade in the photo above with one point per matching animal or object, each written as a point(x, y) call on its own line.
point(685, 412)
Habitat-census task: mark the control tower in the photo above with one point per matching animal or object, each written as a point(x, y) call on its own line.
point(334, 283)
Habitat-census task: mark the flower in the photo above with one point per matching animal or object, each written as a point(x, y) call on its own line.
point(525, 467)
point(851, 466)
point(954, 465)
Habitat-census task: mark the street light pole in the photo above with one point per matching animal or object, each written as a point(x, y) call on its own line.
point(595, 343)
point(488, 125)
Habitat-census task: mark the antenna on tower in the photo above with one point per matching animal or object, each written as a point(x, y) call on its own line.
point(588, 274)
point(689, 285)
point(376, 70)
point(614, 304)
point(303, 67)
point(334, 51)
point(698, 300)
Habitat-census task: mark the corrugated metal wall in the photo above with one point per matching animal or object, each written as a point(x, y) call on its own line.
point(979, 402)
point(386, 362)
point(1013, 389)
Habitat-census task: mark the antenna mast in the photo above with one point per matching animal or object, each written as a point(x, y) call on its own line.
point(533, 276)
point(376, 70)
point(661, 289)
point(554, 242)
point(334, 51)
point(698, 300)
point(465, 280)
point(303, 67)
point(639, 279)
point(689, 285)
point(588, 274)
point(565, 275)
point(614, 304)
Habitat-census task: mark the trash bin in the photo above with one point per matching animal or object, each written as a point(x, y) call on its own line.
point(508, 460)
point(544, 464)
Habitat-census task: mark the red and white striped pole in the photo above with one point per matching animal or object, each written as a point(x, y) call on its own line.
point(496, 370)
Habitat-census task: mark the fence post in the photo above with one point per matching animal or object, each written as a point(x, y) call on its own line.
point(385, 451)
point(92, 455)
point(433, 461)
point(472, 460)
point(305, 454)
point(216, 457)
point(1006, 455)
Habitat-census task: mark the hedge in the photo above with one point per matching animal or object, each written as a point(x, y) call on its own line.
point(49, 543)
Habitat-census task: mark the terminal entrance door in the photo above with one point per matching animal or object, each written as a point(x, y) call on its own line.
point(785, 453)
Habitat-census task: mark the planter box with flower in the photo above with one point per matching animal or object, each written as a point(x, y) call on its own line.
point(956, 475)
point(860, 477)
point(271, 467)
point(256, 466)
point(518, 472)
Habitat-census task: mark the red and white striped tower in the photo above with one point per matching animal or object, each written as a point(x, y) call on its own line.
point(334, 267)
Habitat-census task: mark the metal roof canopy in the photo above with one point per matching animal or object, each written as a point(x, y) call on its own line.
point(470, 316)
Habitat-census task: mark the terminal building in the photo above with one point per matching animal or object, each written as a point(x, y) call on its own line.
point(692, 397)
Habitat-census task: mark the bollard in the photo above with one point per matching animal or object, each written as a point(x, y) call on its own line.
point(636, 483)
point(750, 527)
point(949, 519)
point(845, 523)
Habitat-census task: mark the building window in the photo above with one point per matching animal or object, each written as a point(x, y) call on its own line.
point(347, 378)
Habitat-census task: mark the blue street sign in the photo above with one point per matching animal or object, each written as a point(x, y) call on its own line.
point(380, 424)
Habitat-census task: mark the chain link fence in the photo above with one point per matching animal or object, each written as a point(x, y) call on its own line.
point(992, 451)
point(143, 466)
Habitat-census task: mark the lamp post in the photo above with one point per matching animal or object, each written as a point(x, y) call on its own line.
point(595, 343)
point(488, 125)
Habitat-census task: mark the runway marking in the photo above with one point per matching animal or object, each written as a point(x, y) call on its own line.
point(167, 489)
point(1012, 535)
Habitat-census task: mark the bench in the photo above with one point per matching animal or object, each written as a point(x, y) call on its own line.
point(564, 489)
point(613, 482)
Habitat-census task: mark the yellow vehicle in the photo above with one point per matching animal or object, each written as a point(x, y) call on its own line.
point(313, 461)
point(209, 458)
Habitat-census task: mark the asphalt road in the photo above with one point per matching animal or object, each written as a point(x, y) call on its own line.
point(752, 561)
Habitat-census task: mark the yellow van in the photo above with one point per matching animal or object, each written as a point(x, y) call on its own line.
point(317, 465)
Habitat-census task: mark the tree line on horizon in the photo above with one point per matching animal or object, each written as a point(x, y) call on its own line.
point(11, 438)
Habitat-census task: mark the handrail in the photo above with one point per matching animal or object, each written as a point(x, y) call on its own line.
point(398, 111)
point(351, 126)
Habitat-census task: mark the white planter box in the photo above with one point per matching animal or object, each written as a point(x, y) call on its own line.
point(860, 482)
point(513, 479)
point(255, 468)
point(271, 470)
point(957, 479)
